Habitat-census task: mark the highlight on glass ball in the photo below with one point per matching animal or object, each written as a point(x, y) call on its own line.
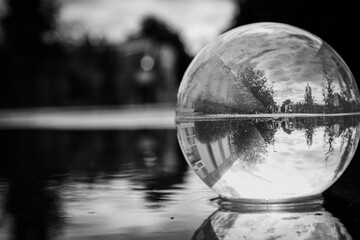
point(268, 112)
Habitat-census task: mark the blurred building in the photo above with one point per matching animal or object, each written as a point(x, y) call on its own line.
point(146, 73)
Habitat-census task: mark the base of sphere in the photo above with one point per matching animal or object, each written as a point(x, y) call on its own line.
point(310, 203)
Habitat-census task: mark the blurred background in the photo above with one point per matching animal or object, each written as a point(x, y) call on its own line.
point(122, 176)
point(81, 53)
point(77, 53)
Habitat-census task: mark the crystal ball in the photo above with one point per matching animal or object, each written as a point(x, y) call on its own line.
point(268, 112)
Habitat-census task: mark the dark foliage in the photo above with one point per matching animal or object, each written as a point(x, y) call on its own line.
point(157, 30)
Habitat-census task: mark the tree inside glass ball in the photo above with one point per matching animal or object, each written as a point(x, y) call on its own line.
point(268, 112)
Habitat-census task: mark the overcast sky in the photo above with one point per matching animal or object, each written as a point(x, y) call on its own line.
point(198, 21)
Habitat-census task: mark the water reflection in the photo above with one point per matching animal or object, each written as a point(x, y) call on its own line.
point(162, 165)
point(29, 198)
point(270, 158)
point(314, 224)
point(35, 209)
point(110, 185)
point(51, 179)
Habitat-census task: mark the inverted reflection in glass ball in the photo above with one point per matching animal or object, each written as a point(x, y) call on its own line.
point(268, 112)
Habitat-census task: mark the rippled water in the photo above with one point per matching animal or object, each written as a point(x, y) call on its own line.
point(106, 184)
point(122, 185)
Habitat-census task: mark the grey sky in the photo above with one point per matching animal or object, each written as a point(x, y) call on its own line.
point(198, 21)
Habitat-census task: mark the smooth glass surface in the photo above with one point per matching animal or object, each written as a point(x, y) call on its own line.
point(267, 68)
point(268, 112)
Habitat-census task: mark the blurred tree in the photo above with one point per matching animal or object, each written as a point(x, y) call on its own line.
point(255, 81)
point(26, 27)
point(92, 73)
point(267, 129)
point(108, 65)
point(39, 16)
point(248, 143)
point(308, 98)
point(328, 91)
point(284, 126)
point(155, 29)
point(309, 126)
point(329, 137)
point(212, 131)
point(347, 140)
point(286, 102)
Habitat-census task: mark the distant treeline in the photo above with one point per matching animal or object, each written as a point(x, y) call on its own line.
point(40, 69)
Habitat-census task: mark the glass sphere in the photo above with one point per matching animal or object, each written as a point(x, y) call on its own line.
point(268, 112)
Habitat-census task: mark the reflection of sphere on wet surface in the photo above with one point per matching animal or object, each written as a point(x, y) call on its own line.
point(280, 225)
point(268, 112)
